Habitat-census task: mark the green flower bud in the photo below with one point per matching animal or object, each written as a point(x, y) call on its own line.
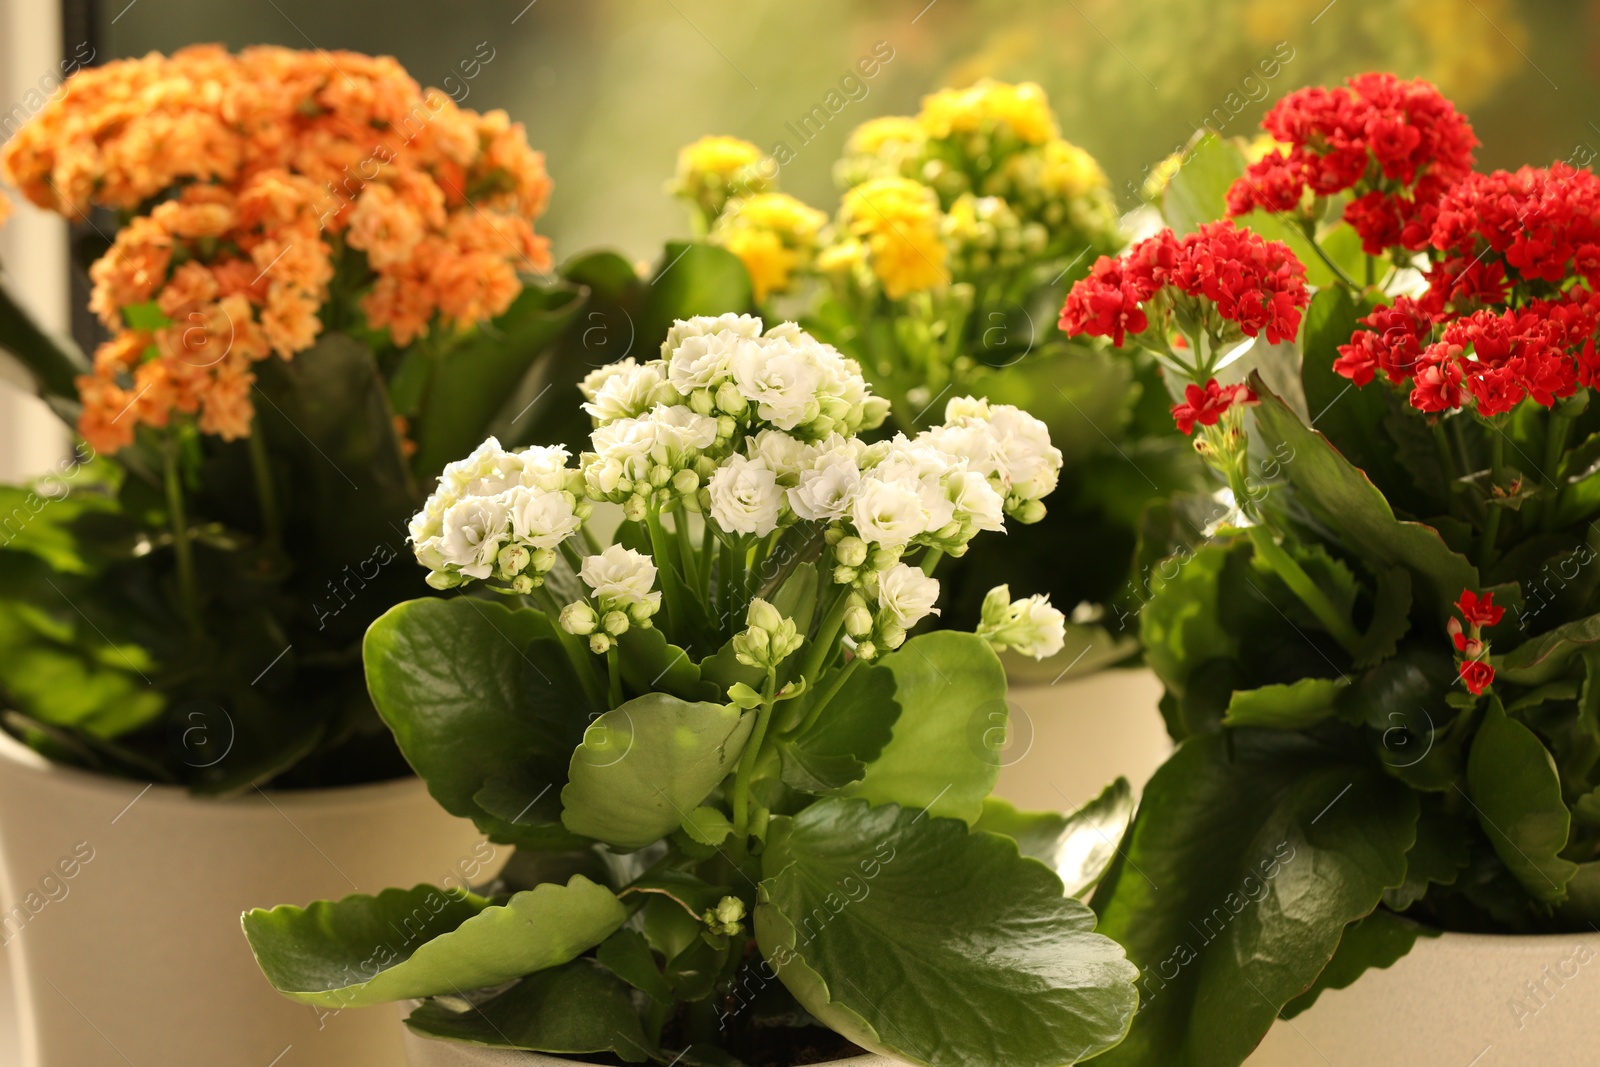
point(851, 551)
point(857, 619)
point(730, 401)
point(599, 644)
point(543, 560)
point(726, 425)
point(844, 575)
point(743, 696)
point(1028, 511)
point(764, 615)
point(701, 402)
point(615, 623)
point(866, 650)
point(660, 475)
point(579, 618)
point(512, 559)
point(444, 579)
point(635, 508)
point(524, 584)
point(892, 636)
point(685, 482)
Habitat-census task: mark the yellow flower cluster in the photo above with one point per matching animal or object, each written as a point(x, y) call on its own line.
point(263, 168)
point(892, 225)
point(990, 108)
point(773, 234)
point(716, 169)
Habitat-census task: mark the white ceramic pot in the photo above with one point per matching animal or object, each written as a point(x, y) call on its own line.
point(1466, 1000)
point(123, 934)
point(1067, 741)
point(426, 1052)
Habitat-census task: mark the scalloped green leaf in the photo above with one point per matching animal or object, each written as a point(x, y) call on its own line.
point(1514, 789)
point(1251, 852)
point(1079, 845)
point(850, 732)
point(1547, 656)
point(1341, 496)
point(645, 765)
point(949, 687)
point(860, 918)
point(420, 942)
point(573, 1010)
point(1295, 706)
point(484, 704)
point(1376, 941)
point(650, 664)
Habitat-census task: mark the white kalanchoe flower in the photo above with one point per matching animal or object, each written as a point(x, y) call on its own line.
point(745, 497)
point(474, 530)
point(544, 467)
point(488, 471)
point(826, 490)
point(1030, 625)
point(626, 391)
point(887, 512)
point(702, 362)
point(906, 596)
point(706, 325)
point(541, 518)
point(1006, 444)
point(785, 456)
point(780, 376)
point(620, 578)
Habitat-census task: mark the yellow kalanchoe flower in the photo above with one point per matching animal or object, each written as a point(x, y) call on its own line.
point(1023, 109)
point(773, 234)
point(898, 220)
point(717, 168)
point(882, 148)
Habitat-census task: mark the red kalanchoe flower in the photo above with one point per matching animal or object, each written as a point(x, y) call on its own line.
point(1479, 611)
point(1395, 337)
point(1254, 283)
point(1207, 404)
point(1399, 145)
point(1477, 675)
point(1543, 222)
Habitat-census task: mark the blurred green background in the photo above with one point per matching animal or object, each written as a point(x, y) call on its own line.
point(609, 89)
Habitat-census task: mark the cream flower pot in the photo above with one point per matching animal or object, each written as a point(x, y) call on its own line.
point(426, 1052)
point(1067, 741)
point(1462, 999)
point(122, 929)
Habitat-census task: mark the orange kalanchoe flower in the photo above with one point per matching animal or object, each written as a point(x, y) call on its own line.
point(252, 177)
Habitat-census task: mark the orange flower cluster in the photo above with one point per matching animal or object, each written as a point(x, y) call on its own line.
point(251, 179)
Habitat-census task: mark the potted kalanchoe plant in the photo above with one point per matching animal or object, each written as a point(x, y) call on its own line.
point(1378, 640)
point(958, 231)
point(319, 284)
point(750, 812)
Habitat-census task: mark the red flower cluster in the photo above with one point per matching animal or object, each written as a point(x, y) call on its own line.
point(1544, 349)
point(1255, 283)
point(1206, 405)
point(1476, 673)
point(1540, 223)
point(1399, 145)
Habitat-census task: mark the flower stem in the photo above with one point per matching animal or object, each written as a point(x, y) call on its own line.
point(930, 560)
point(822, 648)
point(1555, 444)
point(1301, 584)
point(671, 582)
point(181, 546)
point(752, 757)
point(576, 648)
point(614, 675)
point(820, 704)
point(1491, 526)
point(266, 492)
point(1309, 228)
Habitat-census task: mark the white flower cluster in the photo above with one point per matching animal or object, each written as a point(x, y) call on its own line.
point(499, 514)
point(1030, 625)
point(662, 427)
point(622, 583)
point(1008, 446)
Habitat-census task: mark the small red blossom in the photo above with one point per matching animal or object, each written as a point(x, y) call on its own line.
point(1394, 338)
point(1207, 404)
point(1254, 283)
point(1397, 144)
point(1479, 611)
point(1477, 675)
point(1542, 223)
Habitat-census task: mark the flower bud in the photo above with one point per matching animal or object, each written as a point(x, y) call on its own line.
point(579, 618)
point(851, 551)
point(599, 644)
point(764, 615)
point(660, 475)
point(635, 508)
point(524, 584)
point(1028, 512)
point(512, 559)
point(543, 560)
point(844, 575)
point(701, 402)
point(866, 650)
point(729, 400)
point(833, 534)
point(892, 636)
point(444, 579)
point(685, 482)
point(615, 623)
point(857, 619)
point(726, 426)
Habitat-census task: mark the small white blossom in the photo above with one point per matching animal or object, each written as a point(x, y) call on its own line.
point(705, 325)
point(781, 378)
point(474, 530)
point(827, 489)
point(906, 595)
point(628, 391)
point(540, 518)
point(1030, 625)
point(887, 513)
point(784, 455)
point(745, 496)
point(702, 362)
point(620, 577)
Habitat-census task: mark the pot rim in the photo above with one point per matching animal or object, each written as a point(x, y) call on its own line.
point(19, 757)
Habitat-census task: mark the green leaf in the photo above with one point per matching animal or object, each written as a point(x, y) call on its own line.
point(1251, 851)
point(1514, 789)
point(1078, 846)
point(709, 826)
point(55, 363)
point(147, 316)
point(694, 279)
point(1547, 656)
point(645, 765)
point(1198, 192)
point(470, 382)
point(1391, 618)
point(574, 1010)
point(1342, 498)
point(851, 731)
point(1376, 941)
point(949, 687)
point(425, 941)
point(1181, 624)
point(1295, 706)
point(39, 518)
point(478, 694)
point(1441, 851)
point(861, 919)
point(651, 665)
point(627, 955)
